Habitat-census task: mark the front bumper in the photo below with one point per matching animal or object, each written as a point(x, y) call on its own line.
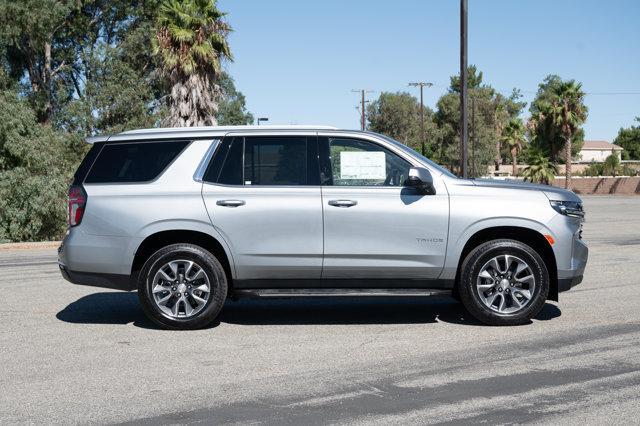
point(569, 278)
point(566, 284)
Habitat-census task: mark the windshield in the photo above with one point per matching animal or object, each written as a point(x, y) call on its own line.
point(416, 154)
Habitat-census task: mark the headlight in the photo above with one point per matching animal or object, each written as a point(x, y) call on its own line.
point(568, 208)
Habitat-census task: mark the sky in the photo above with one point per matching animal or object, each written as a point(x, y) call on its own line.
point(297, 62)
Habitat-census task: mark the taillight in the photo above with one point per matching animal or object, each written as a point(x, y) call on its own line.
point(77, 202)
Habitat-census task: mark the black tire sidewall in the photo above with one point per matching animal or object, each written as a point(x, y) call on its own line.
point(217, 281)
point(471, 268)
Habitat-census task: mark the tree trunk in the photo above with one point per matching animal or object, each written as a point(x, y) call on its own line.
point(46, 83)
point(567, 163)
point(193, 101)
point(514, 162)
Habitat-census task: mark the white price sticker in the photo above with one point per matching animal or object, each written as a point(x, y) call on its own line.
point(362, 165)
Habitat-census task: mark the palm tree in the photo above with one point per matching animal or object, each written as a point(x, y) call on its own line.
point(513, 137)
point(500, 116)
point(540, 169)
point(190, 42)
point(569, 113)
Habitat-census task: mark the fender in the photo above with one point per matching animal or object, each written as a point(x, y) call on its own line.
point(177, 224)
point(457, 242)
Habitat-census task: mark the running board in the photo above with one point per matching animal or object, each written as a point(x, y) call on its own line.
point(338, 292)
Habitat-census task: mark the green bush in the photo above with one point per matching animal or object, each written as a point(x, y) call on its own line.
point(36, 166)
point(593, 169)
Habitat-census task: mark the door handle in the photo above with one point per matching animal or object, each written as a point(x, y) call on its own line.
point(342, 203)
point(230, 203)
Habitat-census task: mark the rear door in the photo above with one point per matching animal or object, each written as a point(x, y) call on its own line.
point(262, 194)
point(375, 227)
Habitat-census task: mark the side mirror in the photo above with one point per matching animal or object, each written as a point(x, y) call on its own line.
point(421, 179)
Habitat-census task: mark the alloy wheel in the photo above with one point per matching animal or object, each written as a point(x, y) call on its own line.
point(506, 284)
point(181, 288)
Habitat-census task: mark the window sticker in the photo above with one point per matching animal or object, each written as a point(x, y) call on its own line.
point(362, 165)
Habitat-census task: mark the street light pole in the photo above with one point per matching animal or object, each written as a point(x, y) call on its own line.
point(463, 89)
point(422, 84)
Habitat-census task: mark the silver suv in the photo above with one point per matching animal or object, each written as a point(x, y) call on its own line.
point(190, 217)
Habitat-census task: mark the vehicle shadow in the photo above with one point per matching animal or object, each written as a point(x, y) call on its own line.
point(124, 308)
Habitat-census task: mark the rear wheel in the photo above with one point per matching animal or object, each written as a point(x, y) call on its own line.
point(182, 286)
point(503, 282)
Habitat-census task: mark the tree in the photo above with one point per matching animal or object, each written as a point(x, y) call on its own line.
point(629, 139)
point(34, 42)
point(514, 139)
point(544, 133)
point(540, 169)
point(487, 121)
point(36, 165)
point(397, 115)
point(191, 41)
point(232, 110)
point(569, 113)
point(611, 165)
point(73, 60)
point(474, 80)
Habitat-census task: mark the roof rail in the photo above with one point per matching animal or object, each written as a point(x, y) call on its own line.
point(227, 128)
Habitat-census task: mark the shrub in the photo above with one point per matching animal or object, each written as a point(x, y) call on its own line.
point(36, 166)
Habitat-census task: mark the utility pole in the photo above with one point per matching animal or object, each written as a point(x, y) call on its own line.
point(362, 105)
point(474, 139)
point(421, 84)
point(464, 131)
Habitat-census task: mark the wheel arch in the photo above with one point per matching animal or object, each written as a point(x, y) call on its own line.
point(157, 240)
point(528, 236)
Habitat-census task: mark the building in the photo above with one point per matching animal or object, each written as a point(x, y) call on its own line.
point(597, 151)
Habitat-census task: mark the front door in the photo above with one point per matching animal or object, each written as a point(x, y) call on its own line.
point(263, 196)
point(374, 227)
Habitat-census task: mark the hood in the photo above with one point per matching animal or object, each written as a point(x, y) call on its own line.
point(552, 192)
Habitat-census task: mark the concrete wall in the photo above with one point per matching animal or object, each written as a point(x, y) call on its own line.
point(603, 185)
point(597, 155)
point(505, 169)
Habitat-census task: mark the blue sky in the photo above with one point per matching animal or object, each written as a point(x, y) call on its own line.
point(297, 61)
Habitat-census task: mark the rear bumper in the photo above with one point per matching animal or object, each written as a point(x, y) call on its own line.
point(113, 281)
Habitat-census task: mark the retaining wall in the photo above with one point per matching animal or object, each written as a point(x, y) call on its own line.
point(602, 185)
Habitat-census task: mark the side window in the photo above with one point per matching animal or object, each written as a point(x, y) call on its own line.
point(275, 161)
point(133, 162)
point(231, 173)
point(265, 160)
point(355, 162)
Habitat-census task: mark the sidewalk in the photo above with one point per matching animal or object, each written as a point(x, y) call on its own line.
point(30, 246)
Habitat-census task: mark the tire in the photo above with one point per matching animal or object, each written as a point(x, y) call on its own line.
point(172, 287)
point(494, 300)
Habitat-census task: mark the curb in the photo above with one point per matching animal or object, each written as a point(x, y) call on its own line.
point(30, 246)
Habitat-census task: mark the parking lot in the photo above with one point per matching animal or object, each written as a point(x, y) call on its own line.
point(75, 354)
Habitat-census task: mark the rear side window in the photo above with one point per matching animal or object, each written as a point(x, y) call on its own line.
point(133, 162)
point(265, 160)
point(275, 161)
point(86, 163)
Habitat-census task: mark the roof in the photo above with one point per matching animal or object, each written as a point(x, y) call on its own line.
point(600, 146)
point(168, 132)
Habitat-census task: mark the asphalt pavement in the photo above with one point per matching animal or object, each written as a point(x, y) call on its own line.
point(73, 354)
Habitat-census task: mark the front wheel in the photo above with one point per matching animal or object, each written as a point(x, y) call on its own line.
point(503, 282)
point(182, 287)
